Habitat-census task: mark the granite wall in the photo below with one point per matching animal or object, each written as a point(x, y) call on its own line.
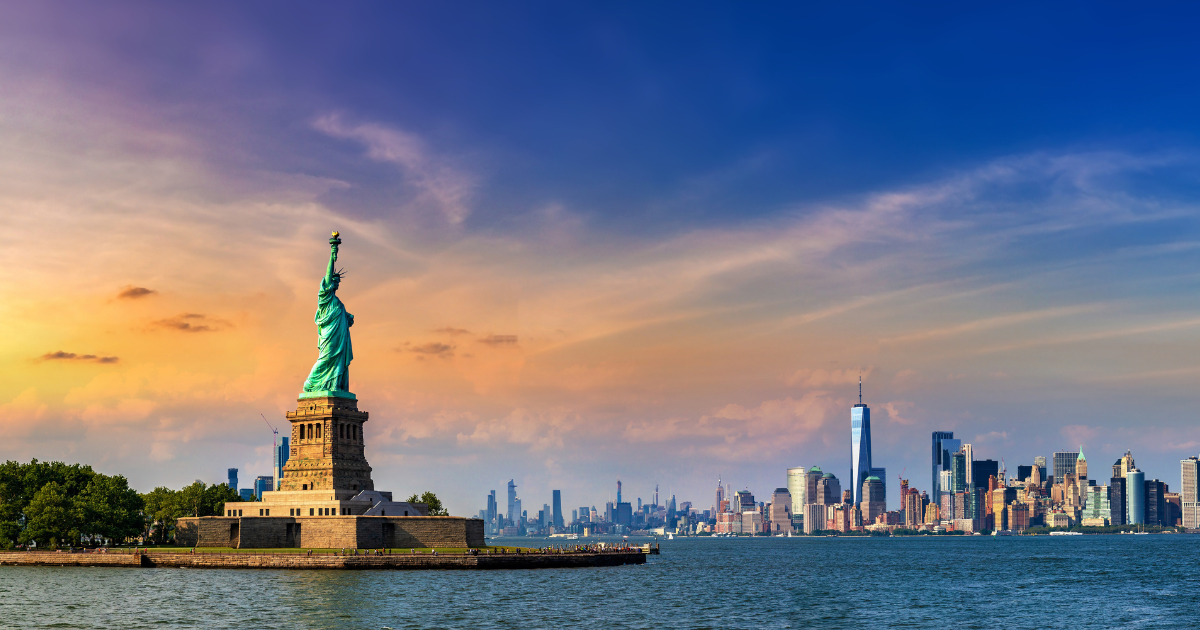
point(329, 532)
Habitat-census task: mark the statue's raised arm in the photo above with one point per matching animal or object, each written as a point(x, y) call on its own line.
point(330, 375)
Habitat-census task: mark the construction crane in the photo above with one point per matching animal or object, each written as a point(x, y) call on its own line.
point(274, 453)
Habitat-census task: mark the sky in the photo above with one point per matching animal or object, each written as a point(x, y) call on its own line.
point(702, 222)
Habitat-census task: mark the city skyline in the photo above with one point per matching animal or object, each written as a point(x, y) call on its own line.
point(641, 243)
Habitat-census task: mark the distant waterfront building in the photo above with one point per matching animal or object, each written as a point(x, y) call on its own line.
point(873, 504)
point(492, 521)
point(814, 517)
point(1189, 494)
point(797, 481)
point(282, 454)
point(233, 478)
point(514, 512)
point(1118, 511)
point(860, 443)
point(913, 508)
point(1018, 516)
point(781, 511)
point(1156, 509)
point(247, 494)
point(1064, 464)
point(1135, 490)
point(829, 489)
point(938, 436)
point(944, 447)
point(558, 513)
point(1122, 466)
point(1096, 507)
point(624, 514)
point(981, 470)
point(263, 483)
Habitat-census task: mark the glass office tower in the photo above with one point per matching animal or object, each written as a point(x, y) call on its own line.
point(860, 445)
point(1064, 464)
point(938, 436)
point(282, 453)
point(1135, 496)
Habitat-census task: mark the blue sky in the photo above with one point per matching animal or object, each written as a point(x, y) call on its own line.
point(701, 220)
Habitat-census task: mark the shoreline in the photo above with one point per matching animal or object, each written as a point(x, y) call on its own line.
point(323, 561)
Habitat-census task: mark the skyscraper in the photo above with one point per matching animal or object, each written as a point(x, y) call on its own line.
point(938, 436)
point(1135, 493)
point(720, 494)
point(282, 453)
point(796, 484)
point(263, 483)
point(558, 515)
point(982, 469)
point(1190, 488)
point(1118, 510)
point(233, 479)
point(860, 444)
point(618, 491)
point(945, 446)
point(872, 504)
point(1064, 464)
point(492, 510)
point(514, 516)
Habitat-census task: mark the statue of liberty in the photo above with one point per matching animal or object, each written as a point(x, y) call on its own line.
point(330, 375)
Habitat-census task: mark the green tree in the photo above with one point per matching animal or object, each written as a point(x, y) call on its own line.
point(191, 499)
point(51, 517)
point(215, 498)
point(109, 508)
point(432, 501)
point(162, 508)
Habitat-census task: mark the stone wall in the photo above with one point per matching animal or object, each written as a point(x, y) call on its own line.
point(329, 532)
point(300, 560)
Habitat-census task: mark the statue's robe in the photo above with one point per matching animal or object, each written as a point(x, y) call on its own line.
point(332, 369)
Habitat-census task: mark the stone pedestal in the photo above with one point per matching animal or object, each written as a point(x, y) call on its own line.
point(327, 448)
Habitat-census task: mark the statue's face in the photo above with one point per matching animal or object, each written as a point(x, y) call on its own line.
point(337, 282)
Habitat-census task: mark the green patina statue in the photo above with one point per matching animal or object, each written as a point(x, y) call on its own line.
point(330, 375)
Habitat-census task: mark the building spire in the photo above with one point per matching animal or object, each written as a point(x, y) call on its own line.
point(860, 387)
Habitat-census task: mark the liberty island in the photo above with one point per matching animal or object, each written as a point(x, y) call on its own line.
point(326, 497)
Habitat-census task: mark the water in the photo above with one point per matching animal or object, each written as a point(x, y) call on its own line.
point(950, 582)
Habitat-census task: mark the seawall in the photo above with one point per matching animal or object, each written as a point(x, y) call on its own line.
point(400, 561)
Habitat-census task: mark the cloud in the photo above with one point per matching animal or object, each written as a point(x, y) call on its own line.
point(498, 340)
point(438, 182)
point(59, 355)
point(192, 323)
point(453, 332)
point(133, 293)
point(434, 348)
point(898, 410)
point(824, 378)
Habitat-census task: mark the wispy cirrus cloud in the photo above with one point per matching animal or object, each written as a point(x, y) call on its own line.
point(438, 182)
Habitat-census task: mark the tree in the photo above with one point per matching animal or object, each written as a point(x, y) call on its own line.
point(109, 508)
point(191, 498)
point(51, 518)
point(162, 508)
point(432, 501)
point(215, 498)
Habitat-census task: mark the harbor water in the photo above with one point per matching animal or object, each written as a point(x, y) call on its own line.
point(1116, 581)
